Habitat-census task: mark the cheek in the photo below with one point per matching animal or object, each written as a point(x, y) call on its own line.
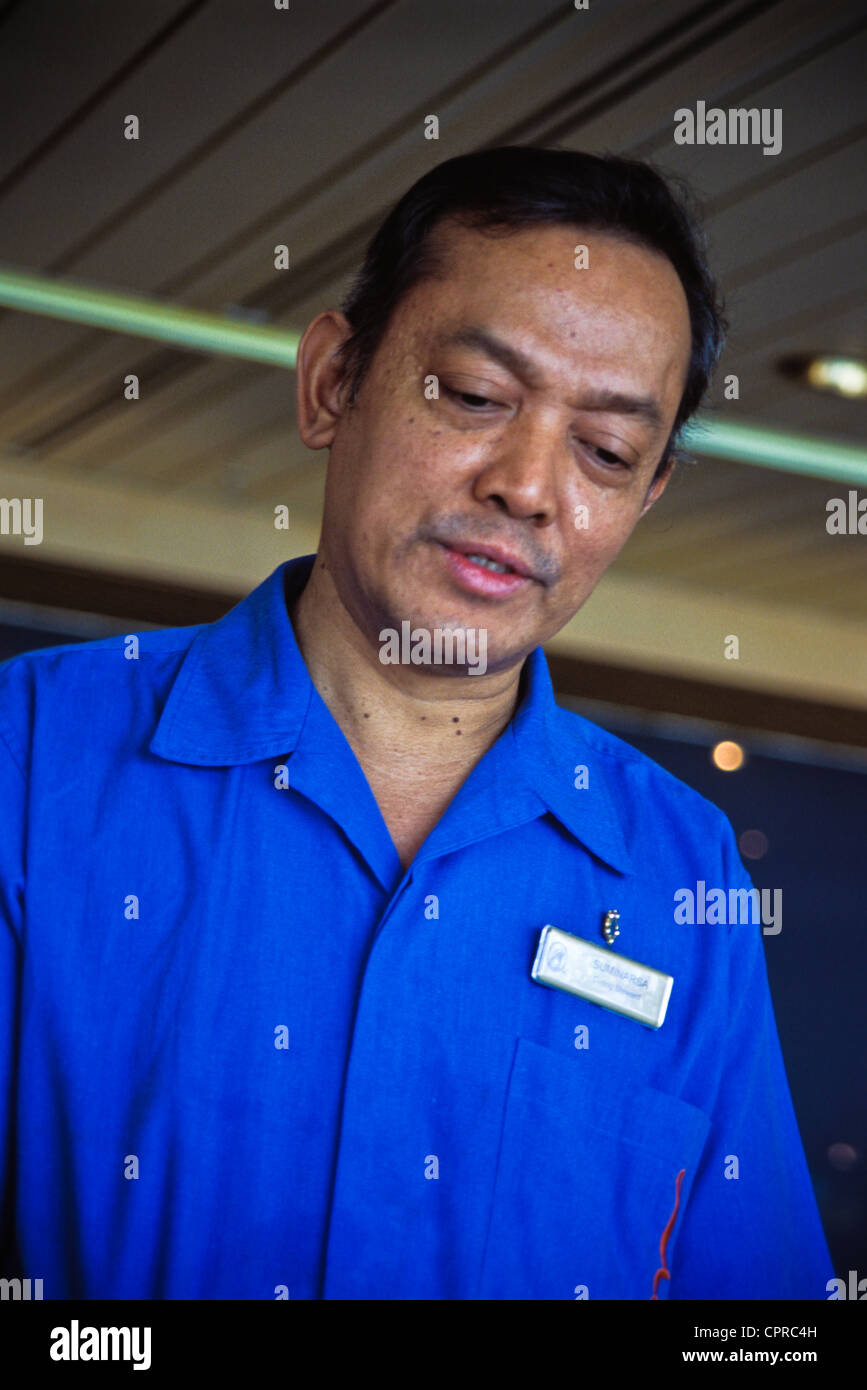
point(594, 535)
point(594, 531)
point(416, 458)
point(389, 486)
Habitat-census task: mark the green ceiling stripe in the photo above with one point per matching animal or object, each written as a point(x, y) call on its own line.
point(793, 453)
point(147, 318)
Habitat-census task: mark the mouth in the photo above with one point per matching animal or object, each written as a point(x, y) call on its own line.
point(484, 569)
point(492, 557)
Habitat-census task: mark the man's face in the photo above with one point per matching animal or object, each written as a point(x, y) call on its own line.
point(535, 446)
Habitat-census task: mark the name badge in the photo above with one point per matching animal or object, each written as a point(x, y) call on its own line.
point(615, 982)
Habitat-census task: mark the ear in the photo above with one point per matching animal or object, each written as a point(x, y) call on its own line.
point(659, 484)
point(321, 387)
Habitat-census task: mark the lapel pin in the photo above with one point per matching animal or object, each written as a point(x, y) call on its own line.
point(611, 926)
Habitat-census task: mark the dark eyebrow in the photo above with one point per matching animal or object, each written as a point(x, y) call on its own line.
point(618, 402)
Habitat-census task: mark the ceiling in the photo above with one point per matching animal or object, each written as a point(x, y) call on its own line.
point(262, 126)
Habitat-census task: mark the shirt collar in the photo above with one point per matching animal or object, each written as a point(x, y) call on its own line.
point(243, 692)
point(557, 750)
point(243, 689)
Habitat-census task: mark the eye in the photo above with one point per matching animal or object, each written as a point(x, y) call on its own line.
point(606, 456)
point(467, 398)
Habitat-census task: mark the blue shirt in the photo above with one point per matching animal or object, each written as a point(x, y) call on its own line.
point(245, 1055)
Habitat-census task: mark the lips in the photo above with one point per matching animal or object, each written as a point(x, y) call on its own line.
point(485, 571)
point(510, 562)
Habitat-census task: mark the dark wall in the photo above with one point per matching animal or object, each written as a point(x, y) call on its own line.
point(24, 639)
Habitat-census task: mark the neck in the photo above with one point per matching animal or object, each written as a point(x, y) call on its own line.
point(396, 716)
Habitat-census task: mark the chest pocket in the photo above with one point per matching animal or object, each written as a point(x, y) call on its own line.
point(585, 1182)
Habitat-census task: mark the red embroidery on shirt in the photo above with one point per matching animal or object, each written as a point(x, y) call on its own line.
point(662, 1272)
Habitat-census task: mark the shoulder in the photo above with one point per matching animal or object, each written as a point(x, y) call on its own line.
point(80, 686)
point(647, 794)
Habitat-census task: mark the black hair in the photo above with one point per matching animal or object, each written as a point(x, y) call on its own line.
point(519, 186)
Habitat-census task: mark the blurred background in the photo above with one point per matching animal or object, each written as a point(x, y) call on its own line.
point(259, 126)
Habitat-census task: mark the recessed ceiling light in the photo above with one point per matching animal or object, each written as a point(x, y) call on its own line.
point(728, 756)
point(842, 376)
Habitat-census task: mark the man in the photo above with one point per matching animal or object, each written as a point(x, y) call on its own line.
point(272, 888)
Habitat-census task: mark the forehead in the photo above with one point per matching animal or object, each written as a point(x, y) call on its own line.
point(628, 299)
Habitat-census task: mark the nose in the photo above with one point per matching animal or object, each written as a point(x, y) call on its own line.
point(520, 475)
